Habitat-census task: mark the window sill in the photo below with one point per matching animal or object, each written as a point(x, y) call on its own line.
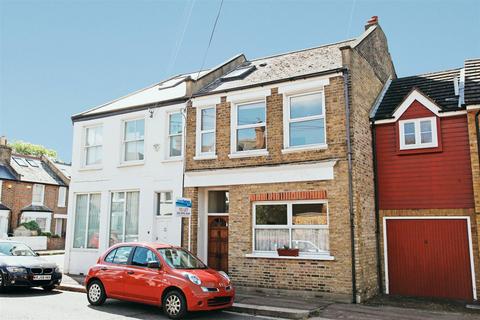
point(306, 148)
point(248, 154)
point(84, 250)
point(175, 159)
point(205, 157)
point(91, 168)
point(131, 164)
point(324, 257)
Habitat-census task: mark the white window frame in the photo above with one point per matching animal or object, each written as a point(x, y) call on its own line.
point(124, 212)
point(57, 225)
point(85, 147)
point(62, 197)
point(42, 188)
point(157, 203)
point(201, 132)
point(289, 226)
point(32, 215)
point(89, 195)
point(418, 144)
point(169, 114)
point(235, 128)
point(287, 120)
point(124, 141)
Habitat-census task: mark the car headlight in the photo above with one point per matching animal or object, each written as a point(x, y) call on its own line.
point(193, 278)
point(224, 275)
point(17, 270)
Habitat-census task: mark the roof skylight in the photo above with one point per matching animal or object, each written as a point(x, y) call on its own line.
point(20, 161)
point(238, 73)
point(33, 163)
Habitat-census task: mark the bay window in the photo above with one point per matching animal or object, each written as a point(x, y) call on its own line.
point(124, 211)
point(43, 219)
point(93, 146)
point(305, 121)
point(296, 224)
point(206, 131)
point(249, 127)
point(175, 134)
point(418, 133)
point(87, 220)
point(133, 140)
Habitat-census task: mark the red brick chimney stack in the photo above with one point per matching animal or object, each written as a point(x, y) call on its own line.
point(372, 22)
point(5, 151)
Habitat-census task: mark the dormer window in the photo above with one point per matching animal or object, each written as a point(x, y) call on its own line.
point(418, 133)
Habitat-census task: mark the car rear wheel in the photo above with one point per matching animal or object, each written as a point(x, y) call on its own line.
point(174, 305)
point(96, 293)
point(1, 281)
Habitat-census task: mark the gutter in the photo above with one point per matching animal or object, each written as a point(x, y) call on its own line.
point(377, 207)
point(350, 182)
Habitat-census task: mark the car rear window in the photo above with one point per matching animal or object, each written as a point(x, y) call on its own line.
point(110, 256)
point(119, 255)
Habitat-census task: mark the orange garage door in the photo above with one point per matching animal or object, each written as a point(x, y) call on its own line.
point(429, 258)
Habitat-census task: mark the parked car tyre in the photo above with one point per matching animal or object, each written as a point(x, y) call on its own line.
point(1, 282)
point(49, 288)
point(96, 293)
point(174, 305)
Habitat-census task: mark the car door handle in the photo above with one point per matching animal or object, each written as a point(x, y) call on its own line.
point(104, 268)
point(130, 272)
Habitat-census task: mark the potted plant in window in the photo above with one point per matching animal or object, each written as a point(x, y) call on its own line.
point(286, 251)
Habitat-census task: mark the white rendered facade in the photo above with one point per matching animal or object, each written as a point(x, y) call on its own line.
point(156, 173)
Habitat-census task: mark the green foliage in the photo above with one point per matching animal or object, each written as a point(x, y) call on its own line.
point(55, 236)
point(26, 148)
point(32, 225)
point(46, 234)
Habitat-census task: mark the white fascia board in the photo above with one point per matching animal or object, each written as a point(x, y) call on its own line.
point(473, 107)
point(248, 95)
point(205, 101)
point(305, 85)
point(266, 174)
point(441, 115)
point(416, 95)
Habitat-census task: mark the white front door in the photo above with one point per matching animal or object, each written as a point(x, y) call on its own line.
point(4, 214)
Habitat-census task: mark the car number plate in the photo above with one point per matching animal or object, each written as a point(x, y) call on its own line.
point(42, 277)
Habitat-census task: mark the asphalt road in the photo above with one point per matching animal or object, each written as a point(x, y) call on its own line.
point(36, 304)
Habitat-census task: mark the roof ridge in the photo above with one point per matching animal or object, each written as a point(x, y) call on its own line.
point(430, 73)
point(302, 50)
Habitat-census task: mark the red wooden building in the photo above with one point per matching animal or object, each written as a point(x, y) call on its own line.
point(427, 185)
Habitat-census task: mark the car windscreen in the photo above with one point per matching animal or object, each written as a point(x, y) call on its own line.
point(15, 249)
point(180, 259)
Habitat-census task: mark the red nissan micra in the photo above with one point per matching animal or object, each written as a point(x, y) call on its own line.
point(161, 275)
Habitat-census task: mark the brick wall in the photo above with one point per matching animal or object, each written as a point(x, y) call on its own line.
point(335, 128)
point(16, 195)
point(321, 278)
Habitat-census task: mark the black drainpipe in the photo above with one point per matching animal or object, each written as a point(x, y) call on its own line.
point(477, 125)
point(350, 184)
point(377, 208)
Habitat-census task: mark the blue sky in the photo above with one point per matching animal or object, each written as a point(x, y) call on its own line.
point(59, 57)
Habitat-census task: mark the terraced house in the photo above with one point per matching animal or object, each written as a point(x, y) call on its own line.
point(279, 156)
point(427, 144)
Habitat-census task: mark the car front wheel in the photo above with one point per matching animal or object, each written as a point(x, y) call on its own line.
point(175, 305)
point(49, 288)
point(96, 293)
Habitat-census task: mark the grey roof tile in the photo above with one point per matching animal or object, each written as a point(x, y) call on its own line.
point(438, 86)
point(284, 66)
point(37, 174)
point(472, 81)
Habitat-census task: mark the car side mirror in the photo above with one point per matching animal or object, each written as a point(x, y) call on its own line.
point(153, 265)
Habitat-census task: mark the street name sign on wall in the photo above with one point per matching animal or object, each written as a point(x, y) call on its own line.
point(183, 207)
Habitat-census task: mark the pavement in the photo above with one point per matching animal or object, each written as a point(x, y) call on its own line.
point(261, 305)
